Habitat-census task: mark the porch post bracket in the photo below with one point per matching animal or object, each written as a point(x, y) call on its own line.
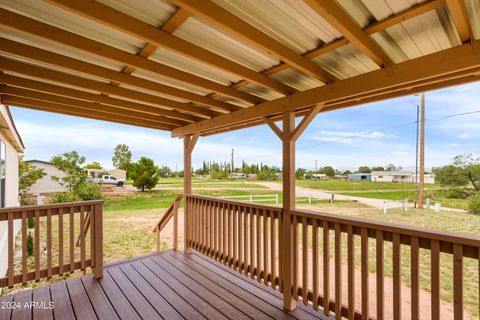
point(189, 142)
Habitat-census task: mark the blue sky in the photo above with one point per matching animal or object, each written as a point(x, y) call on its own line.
point(329, 139)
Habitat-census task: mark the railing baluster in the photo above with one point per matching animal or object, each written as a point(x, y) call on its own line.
point(458, 281)
point(204, 226)
point(295, 257)
point(397, 294)
point(82, 239)
point(435, 274)
point(351, 271)
point(37, 246)
point(273, 235)
point(380, 275)
point(265, 247)
point(326, 268)
point(49, 244)
point(241, 239)
point(60, 241)
point(252, 244)
point(72, 240)
point(259, 243)
point(365, 273)
point(235, 237)
point(24, 248)
point(225, 233)
point(230, 235)
point(11, 248)
point(315, 262)
point(338, 272)
point(304, 260)
point(245, 240)
point(215, 230)
point(415, 276)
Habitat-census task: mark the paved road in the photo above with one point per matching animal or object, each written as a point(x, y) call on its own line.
point(321, 194)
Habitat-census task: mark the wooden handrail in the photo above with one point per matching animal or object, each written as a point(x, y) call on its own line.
point(172, 211)
point(245, 237)
point(47, 219)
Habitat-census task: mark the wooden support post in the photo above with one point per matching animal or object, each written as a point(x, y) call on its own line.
point(288, 173)
point(421, 181)
point(98, 236)
point(188, 145)
point(176, 204)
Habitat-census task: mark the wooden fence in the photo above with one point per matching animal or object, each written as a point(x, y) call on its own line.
point(246, 237)
point(50, 258)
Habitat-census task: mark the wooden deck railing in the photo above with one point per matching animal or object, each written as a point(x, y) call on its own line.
point(172, 211)
point(245, 237)
point(53, 223)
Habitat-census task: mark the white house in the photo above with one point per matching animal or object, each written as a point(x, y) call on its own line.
point(400, 177)
point(11, 146)
point(46, 184)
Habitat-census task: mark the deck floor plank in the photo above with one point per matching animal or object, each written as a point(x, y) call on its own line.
point(169, 285)
point(42, 299)
point(81, 304)
point(101, 305)
point(118, 300)
point(227, 296)
point(136, 299)
point(193, 296)
point(183, 307)
point(63, 308)
point(6, 308)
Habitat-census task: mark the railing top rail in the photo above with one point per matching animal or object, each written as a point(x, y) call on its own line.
point(49, 206)
point(233, 202)
point(447, 236)
point(169, 213)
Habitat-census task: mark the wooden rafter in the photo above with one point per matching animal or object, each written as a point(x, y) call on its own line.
point(41, 86)
point(340, 20)
point(31, 70)
point(41, 96)
point(448, 64)
point(370, 29)
point(460, 19)
point(223, 19)
point(125, 23)
point(73, 111)
point(48, 32)
point(54, 59)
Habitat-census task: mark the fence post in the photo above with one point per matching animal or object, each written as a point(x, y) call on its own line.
point(384, 207)
point(309, 199)
point(276, 198)
point(251, 198)
point(98, 236)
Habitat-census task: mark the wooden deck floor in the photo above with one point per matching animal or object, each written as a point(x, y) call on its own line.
point(165, 286)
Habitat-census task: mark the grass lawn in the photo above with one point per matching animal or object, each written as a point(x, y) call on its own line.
point(349, 185)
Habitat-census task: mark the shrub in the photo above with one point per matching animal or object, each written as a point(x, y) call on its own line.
point(219, 175)
point(267, 175)
point(61, 197)
point(31, 223)
point(474, 204)
point(88, 191)
point(30, 247)
point(457, 193)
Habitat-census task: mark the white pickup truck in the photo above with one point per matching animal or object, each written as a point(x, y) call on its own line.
point(108, 179)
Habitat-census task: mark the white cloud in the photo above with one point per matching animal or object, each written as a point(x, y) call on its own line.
point(348, 136)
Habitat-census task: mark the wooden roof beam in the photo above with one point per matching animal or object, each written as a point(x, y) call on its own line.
point(48, 32)
point(462, 59)
point(54, 59)
point(117, 20)
point(340, 20)
point(223, 19)
point(73, 111)
point(41, 86)
point(25, 93)
point(459, 15)
point(34, 71)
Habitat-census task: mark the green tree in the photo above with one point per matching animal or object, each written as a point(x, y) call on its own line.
point(71, 164)
point(451, 176)
point(300, 172)
point(164, 172)
point(122, 157)
point(28, 174)
point(347, 172)
point(329, 171)
point(144, 174)
point(378, 169)
point(364, 169)
point(94, 165)
point(470, 166)
point(267, 174)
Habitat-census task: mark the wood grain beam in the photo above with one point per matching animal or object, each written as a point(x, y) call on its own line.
point(274, 127)
point(31, 70)
point(92, 97)
point(459, 15)
point(223, 19)
point(54, 59)
point(447, 63)
point(117, 20)
point(340, 20)
point(46, 97)
point(73, 111)
point(307, 119)
point(48, 32)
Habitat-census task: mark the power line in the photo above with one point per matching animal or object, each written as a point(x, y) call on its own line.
point(367, 132)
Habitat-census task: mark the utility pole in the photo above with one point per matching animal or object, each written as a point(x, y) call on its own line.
point(416, 158)
point(233, 167)
point(421, 186)
point(316, 167)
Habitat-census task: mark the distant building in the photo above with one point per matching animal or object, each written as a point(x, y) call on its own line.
point(360, 176)
point(46, 184)
point(316, 176)
point(340, 177)
point(400, 177)
point(118, 173)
